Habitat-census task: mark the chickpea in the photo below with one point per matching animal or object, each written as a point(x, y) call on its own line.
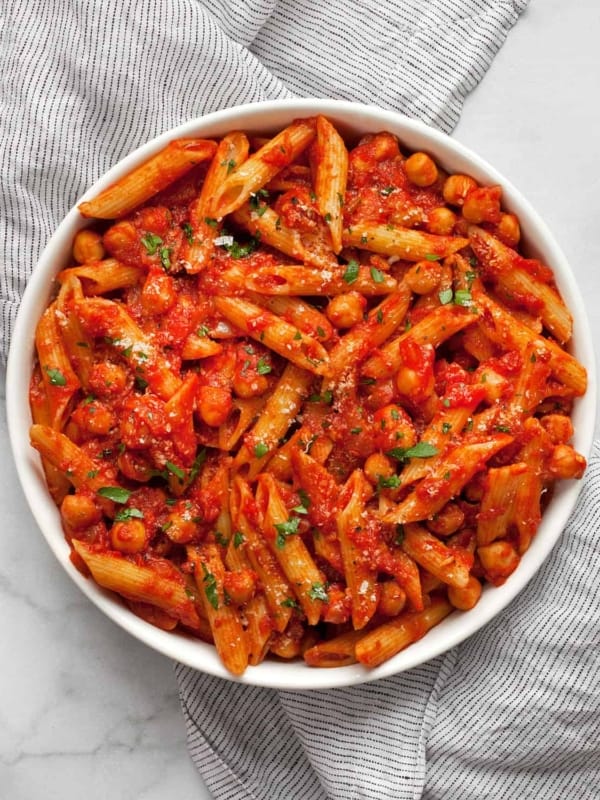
point(457, 187)
point(424, 276)
point(413, 384)
point(249, 384)
point(421, 169)
point(558, 426)
point(181, 526)
point(95, 417)
point(565, 462)
point(378, 466)
point(498, 559)
point(441, 221)
point(392, 599)
point(466, 597)
point(214, 404)
point(345, 310)
point(509, 230)
point(447, 521)
point(79, 511)
point(158, 293)
point(240, 585)
point(135, 467)
point(128, 536)
point(87, 246)
point(483, 205)
point(107, 379)
point(393, 428)
point(122, 241)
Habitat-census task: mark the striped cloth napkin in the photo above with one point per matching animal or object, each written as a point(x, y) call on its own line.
point(514, 711)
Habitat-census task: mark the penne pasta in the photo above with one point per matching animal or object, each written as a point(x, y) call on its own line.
point(303, 401)
point(412, 245)
point(330, 168)
point(263, 165)
point(143, 182)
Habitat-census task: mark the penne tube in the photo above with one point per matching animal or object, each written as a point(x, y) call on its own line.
point(361, 578)
point(446, 480)
point(448, 564)
point(165, 589)
point(268, 226)
point(139, 185)
point(497, 504)
point(445, 426)
point(409, 244)
point(224, 619)
point(435, 328)
point(390, 638)
point(275, 333)
point(504, 266)
point(259, 631)
point(330, 169)
point(509, 333)
point(297, 564)
point(297, 312)
point(336, 652)
point(274, 421)
point(230, 153)
point(58, 377)
point(196, 347)
point(104, 276)
point(278, 593)
point(295, 279)
point(110, 320)
point(262, 166)
point(366, 336)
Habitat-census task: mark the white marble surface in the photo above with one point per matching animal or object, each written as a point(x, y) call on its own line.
point(87, 711)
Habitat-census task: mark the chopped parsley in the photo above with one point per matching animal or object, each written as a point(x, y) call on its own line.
point(462, 297)
point(237, 250)
point(165, 258)
point(377, 275)
point(263, 368)
point(175, 470)
point(351, 273)
point(229, 164)
point(433, 257)
point(188, 232)
point(115, 493)
point(260, 449)
point(238, 539)
point(388, 482)
point(420, 450)
point(151, 242)
point(289, 602)
point(318, 591)
point(128, 513)
point(55, 377)
point(285, 529)
point(211, 590)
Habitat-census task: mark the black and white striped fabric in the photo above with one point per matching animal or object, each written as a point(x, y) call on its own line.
point(87, 81)
point(514, 711)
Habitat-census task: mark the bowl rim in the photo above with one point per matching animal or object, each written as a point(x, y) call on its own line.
point(191, 651)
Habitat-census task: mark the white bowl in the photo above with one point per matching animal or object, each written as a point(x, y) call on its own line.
point(352, 118)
